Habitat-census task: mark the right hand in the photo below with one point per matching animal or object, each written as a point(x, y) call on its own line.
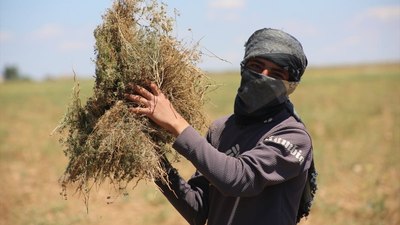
point(158, 108)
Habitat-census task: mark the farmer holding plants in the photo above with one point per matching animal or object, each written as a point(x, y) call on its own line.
point(255, 166)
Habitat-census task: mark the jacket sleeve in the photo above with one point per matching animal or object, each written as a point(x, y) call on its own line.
point(190, 198)
point(277, 157)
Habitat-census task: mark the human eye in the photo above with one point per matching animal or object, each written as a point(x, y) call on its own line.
point(278, 74)
point(255, 66)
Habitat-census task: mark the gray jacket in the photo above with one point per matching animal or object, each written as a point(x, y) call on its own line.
point(252, 174)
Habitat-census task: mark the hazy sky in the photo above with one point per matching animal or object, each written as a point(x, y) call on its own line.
point(53, 37)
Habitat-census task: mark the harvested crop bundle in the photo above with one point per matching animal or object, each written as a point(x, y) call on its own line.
point(102, 139)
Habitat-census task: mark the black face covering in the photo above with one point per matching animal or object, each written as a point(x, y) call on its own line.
point(257, 92)
point(259, 96)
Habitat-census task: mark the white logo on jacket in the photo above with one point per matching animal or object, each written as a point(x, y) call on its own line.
point(288, 146)
point(234, 151)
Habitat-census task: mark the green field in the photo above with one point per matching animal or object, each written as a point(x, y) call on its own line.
point(352, 113)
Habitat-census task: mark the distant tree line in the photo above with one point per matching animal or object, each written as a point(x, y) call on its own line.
point(11, 73)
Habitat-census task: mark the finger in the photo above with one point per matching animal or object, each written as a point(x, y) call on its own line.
point(140, 110)
point(140, 90)
point(131, 87)
point(143, 92)
point(138, 99)
point(155, 89)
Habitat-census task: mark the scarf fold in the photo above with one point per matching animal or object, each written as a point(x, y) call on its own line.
point(309, 191)
point(260, 97)
point(259, 116)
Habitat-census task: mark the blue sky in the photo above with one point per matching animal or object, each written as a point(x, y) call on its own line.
point(54, 37)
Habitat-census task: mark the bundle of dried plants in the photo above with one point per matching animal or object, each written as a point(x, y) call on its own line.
point(102, 139)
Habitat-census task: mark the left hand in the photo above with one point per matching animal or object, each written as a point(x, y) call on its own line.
point(158, 108)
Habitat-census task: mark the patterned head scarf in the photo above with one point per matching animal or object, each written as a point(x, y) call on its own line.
point(279, 47)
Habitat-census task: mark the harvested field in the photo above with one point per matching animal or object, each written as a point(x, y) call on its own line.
point(352, 113)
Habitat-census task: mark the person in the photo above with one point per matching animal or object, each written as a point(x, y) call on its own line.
point(254, 166)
